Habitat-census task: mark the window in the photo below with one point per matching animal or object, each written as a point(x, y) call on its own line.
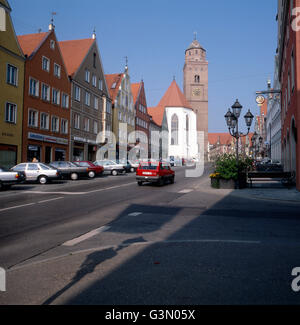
point(44, 121)
point(45, 64)
point(94, 81)
point(289, 87)
point(293, 71)
point(108, 107)
point(57, 70)
point(114, 85)
point(174, 130)
point(86, 124)
point(100, 84)
point(65, 100)
point(197, 79)
point(187, 128)
point(96, 103)
point(33, 118)
point(77, 93)
point(87, 75)
point(33, 87)
point(55, 96)
point(45, 92)
point(55, 124)
point(52, 44)
point(64, 126)
point(87, 98)
point(95, 127)
point(10, 113)
point(12, 75)
point(77, 121)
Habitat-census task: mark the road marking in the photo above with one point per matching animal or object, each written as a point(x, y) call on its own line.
point(109, 188)
point(134, 214)
point(57, 198)
point(17, 206)
point(85, 236)
point(186, 191)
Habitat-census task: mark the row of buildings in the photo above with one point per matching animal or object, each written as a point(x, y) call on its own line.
point(57, 103)
point(281, 131)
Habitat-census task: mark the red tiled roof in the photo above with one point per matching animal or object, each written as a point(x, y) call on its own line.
point(74, 53)
point(173, 97)
point(30, 42)
point(110, 80)
point(135, 88)
point(222, 138)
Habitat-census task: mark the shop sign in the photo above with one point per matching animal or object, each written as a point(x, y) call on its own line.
point(46, 138)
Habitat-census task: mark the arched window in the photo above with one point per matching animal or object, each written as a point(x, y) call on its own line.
point(197, 78)
point(174, 130)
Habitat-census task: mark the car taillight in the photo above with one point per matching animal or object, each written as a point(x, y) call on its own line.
point(17, 176)
point(57, 173)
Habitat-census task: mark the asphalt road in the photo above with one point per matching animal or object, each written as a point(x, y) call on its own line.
point(109, 242)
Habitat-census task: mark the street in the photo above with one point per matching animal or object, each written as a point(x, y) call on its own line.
point(107, 241)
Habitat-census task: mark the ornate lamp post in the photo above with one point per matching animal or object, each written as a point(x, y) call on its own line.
point(232, 120)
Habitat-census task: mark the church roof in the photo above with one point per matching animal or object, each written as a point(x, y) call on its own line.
point(74, 52)
point(173, 97)
point(195, 45)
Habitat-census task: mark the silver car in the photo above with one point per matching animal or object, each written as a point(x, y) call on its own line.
point(39, 172)
point(8, 178)
point(110, 166)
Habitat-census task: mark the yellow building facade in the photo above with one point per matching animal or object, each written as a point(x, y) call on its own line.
point(11, 94)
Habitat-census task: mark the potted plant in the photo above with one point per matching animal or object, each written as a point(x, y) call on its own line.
point(215, 180)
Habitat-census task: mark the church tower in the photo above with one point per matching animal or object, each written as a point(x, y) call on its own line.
point(195, 87)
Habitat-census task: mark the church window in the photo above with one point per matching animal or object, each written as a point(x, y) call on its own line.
point(174, 130)
point(187, 128)
point(197, 78)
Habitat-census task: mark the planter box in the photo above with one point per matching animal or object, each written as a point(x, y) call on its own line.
point(215, 182)
point(227, 184)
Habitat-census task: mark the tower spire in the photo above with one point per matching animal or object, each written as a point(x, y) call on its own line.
point(195, 36)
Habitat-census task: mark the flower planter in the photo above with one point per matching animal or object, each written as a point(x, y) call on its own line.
point(227, 184)
point(215, 182)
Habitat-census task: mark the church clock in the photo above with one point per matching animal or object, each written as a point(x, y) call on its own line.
point(196, 92)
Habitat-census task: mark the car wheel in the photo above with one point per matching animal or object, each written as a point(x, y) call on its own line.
point(43, 179)
point(132, 170)
point(91, 174)
point(140, 183)
point(114, 172)
point(172, 180)
point(160, 182)
point(74, 176)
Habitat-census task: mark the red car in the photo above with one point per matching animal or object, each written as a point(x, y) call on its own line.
point(93, 169)
point(154, 172)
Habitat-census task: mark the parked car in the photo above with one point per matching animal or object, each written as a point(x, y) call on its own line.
point(39, 172)
point(134, 164)
point(70, 170)
point(154, 172)
point(93, 169)
point(8, 178)
point(127, 165)
point(110, 167)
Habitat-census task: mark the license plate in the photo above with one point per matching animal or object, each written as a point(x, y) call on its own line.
point(147, 173)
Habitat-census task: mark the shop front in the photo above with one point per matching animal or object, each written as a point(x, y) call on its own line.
point(8, 155)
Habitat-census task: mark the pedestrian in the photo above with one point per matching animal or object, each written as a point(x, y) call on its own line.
point(34, 160)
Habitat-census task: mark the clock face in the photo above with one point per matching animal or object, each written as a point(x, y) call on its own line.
point(196, 92)
point(260, 99)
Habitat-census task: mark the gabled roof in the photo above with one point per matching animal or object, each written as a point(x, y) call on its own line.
point(5, 4)
point(30, 43)
point(173, 97)
point(135, 89)
point(113, 80)
point(74, 52)
point(220, 138)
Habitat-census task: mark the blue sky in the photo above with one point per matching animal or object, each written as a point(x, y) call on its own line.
point(240, 38)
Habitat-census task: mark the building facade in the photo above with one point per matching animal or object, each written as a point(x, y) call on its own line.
point(195, 89)
point(90, 102)
point(12, 89)
point(123, 125)
point(289, 76)
point(46, 117)
point(142, 119)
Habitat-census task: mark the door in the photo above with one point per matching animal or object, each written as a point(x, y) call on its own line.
point(32, 172)
point(48, 155)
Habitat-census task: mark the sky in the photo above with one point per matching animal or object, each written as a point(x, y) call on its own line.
point(240, 38)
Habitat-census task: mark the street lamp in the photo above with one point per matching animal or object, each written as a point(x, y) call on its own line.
point(232, 121)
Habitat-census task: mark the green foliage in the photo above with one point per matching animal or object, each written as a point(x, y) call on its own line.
point(227, 167)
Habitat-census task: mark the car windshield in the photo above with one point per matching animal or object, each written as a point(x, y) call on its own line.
point(71, 164)
point(82, 163)
point(149, 166)
point(45, 167)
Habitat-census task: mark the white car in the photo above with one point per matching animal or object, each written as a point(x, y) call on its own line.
point(110, 166)
point(39, 172)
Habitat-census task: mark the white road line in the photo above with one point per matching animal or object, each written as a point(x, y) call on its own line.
point(17, 206)
point(85, 236)
point(110, 188)
point(134, 214)
point(57, 198)
point(186, 191)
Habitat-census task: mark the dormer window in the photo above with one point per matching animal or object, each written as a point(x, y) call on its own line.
point(114, 85)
